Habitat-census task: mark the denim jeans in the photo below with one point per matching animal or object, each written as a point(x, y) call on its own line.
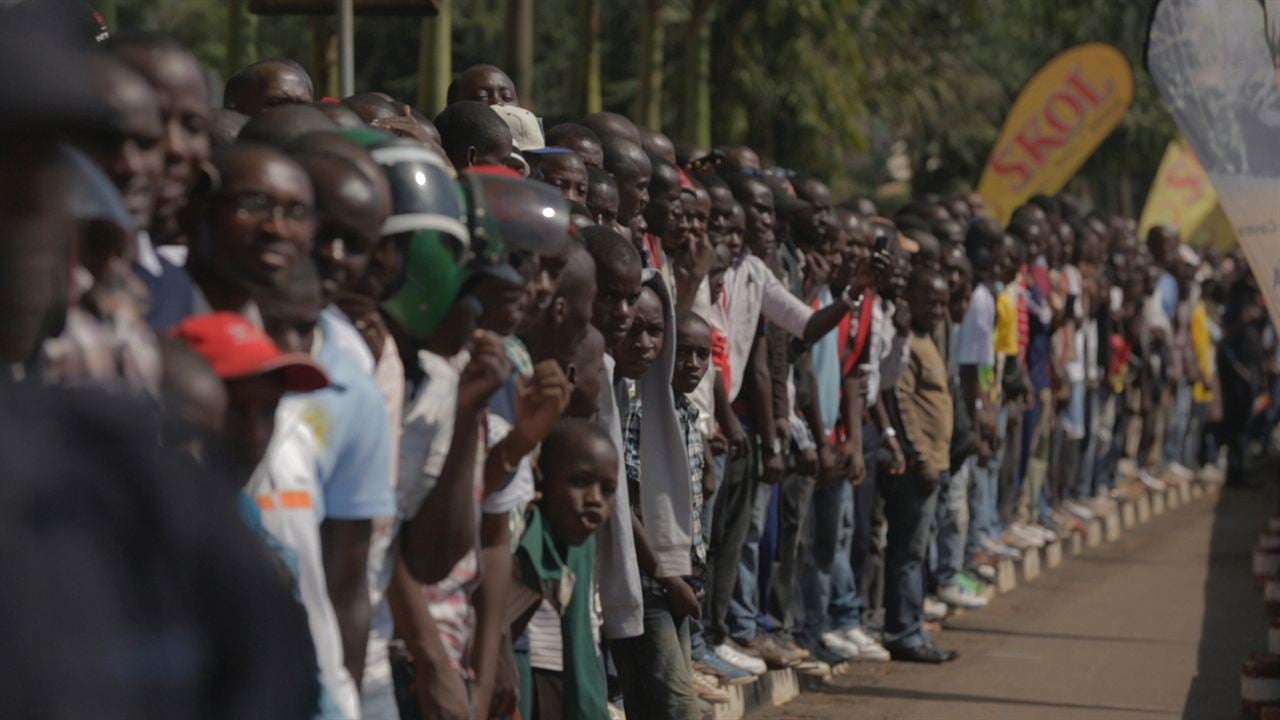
point(793, 524)
point(730, 522)
point(866, 565)
point(1193, 443)
point(654, 668)
point(742, 619)
point(1086, 485)
point(911, 514)
point(1176, 433)
point(828, 590)
point(982, 511)
point(697, 634)
point(952, 524)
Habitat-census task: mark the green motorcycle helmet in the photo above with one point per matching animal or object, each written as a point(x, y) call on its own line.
point(428, 222)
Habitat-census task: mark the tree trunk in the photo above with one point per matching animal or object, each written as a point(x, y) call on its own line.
point(696, 108)
point(435, 60)
point(517, 47)
point(652, 40)
point(586, 87)
point(235, 36)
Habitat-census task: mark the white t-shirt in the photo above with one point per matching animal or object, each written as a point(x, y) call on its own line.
point(976, 342)
point(427, 432)
point(286, 487)
point(752, 290)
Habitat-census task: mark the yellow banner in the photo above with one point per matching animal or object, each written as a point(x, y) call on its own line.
point(1064, 112)
point(1181, 195)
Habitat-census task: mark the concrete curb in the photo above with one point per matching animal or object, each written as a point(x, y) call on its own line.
point(778, 687)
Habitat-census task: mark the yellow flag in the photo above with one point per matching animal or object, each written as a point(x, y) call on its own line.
point(1064, 112)
point(1181, 195)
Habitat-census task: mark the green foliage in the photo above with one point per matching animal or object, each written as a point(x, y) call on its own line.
point(832, 87)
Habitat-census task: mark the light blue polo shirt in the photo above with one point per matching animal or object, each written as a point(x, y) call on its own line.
point(350, 423)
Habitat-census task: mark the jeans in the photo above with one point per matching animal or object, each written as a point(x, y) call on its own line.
point(1010, 479)
point(911, 514)
point(730, 522)
point(952, 523)
point(697, 634)
point(982, 510)
point(1193, 443)
point(742, 619)
point(1086, 485)
point(793, 524)
point(866, 565)
point(1176, 434)
point(654, 669)
point(828, 591)
point(1034, 503)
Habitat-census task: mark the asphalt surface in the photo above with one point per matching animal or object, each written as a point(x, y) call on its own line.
point(1154, 625)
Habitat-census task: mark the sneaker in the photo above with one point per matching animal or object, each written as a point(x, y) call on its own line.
point(1021, 541)
point(999, 549)
point(728, 674)
point(814, 667)
point(934, 609)
point(1046, 532)
point(1027, 534)
point(984, 566)
point(774, 655)
point(869, 649)
point(958, 597)
point(970, 583)
point(1150, 481)
point(1180, 472)
point(836, 643)
point(705, 687)
point(930, 653)
point(734, 654)
point(1079, 510)
point(615, 712)
point(786, 642)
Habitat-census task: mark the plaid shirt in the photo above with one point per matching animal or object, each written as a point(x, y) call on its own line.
point(688, 415)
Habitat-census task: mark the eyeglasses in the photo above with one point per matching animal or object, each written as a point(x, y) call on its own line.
point(260, 206)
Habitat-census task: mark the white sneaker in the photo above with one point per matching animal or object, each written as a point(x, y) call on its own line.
point(959, 597)
point(1180, 471)
point(707, 688)
point(934, 609)
point(1079, 510)
point(814, 668)
point(837, 643)
point(733, 656)
point(868, 648)
point(1028, 533)
point(1151, 481)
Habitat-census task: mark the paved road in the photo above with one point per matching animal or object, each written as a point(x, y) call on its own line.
point(1152, 626)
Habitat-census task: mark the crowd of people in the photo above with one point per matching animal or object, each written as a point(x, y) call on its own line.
point(578, 421)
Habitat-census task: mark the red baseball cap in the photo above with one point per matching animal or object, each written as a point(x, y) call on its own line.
point(234, 348)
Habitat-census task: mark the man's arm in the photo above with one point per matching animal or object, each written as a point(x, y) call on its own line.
point(437, 686)
point(490, 603)
point(853, 412)
point(345, 546)
point(728, 420)
point(444, 528)
point(760, 399)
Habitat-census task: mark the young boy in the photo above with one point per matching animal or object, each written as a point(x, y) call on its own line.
point(924, 404)
point(654, 668)
point(577, 473)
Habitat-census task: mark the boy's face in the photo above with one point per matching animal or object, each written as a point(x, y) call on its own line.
point(567, 172)
point(602, 200)
point(736, 231)
point(617, 294)
point(251, 420)
point(693, 356)
point(697, 211)
point(642, 344)
point(721, 210)
point(929, 305)
point(291, 322)
point(578, 490)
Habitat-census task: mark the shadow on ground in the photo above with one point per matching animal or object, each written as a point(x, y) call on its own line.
point(1234, 623)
